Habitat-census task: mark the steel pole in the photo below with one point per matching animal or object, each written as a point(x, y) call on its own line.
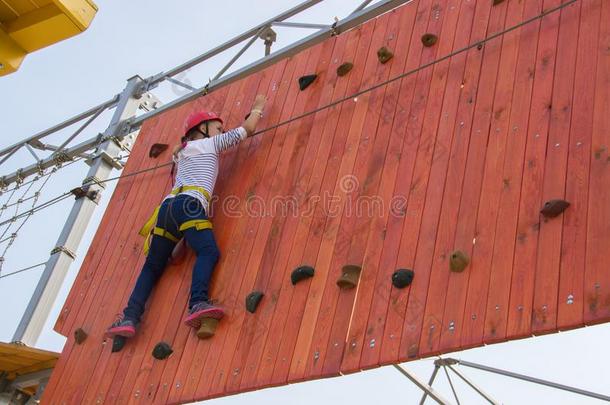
point(63, 255)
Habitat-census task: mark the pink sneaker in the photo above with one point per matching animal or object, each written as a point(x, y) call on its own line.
point(122, 327)
point(200, 310)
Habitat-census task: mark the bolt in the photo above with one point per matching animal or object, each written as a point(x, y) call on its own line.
point(474, 241)
point(316, 355)
point(597, 286)
point(570, 299)
point(544, 308)
point(451, 325)
point(432, 327)
point(520, 308)
point(353, 344)
point(537, 136)
point(578, 143)
point(355, 99)
point(462, 123)
point(372, 343)
point(557, 145)
point(473, 317)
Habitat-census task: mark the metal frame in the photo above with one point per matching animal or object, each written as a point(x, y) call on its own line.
point(448, 363)
point(65, 153)
point(56, 268)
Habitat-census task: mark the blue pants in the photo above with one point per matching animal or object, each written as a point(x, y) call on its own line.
point(172, 213)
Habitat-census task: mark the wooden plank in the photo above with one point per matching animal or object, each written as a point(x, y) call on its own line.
point(155, 389)
point(425, 112)
point(571, 302)
point(100, 241)
point(491, 184)
point(528, 226)
point(384, 166)
point(185, 341)
point(506, 227)
point(186, 380)
point(166, 303)
point(319, 305)
point(243, 236)
point(361, 206)
point(268, 235)
point(446, 178)
point(597, 279)
point(87, 353)
point(481, 73)
point(294, 205)
point(546, 286)
point(280, 340)
point(109, 300)
point(380, 257)
point(282, 210)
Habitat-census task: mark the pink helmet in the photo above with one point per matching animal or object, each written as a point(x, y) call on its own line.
point(198, 117)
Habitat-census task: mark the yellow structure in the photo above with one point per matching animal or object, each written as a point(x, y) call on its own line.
point(21, 361)
point(29, 25)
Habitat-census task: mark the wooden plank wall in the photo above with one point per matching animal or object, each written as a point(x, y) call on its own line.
point(459, 155)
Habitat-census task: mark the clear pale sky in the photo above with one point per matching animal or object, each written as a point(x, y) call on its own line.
point(146, 37)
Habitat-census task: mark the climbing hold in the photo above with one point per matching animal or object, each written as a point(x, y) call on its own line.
point(252, 300)
point(157, 149)
point(553, 208)
point(305, 81)
point(118, 342)
point(458, 261)
point(429, 39)
point(349, 276)
point(344, 68)
point(402, 278)
point(80, 335)
point(207, 328)
point(384, 54)
point(496, 2)
point(301, 273)
point(162, 351)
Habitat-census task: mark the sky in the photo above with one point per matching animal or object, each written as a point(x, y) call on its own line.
point(147, 37)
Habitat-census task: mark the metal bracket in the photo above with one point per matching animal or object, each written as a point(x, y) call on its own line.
point(85, 191)
point(150, 102)
point(93, 180)
point(65, 250)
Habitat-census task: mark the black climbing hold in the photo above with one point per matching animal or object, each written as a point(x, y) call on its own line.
point(207, 328)
point(553, 208)
point(252, 300)
point(349, 276)
point(384, 54)
point(118, 342)
point(305, 81)
point(301, 273)
point(496, 2)
point(429, 39)
point(402, 278)
point(80, 335)
point(162, 351)
point(344, 68)
point(157, 149)
point(458, 261)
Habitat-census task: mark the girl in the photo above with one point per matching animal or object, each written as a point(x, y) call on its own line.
point(184, 213)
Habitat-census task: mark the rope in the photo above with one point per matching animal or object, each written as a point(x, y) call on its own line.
point(22, 270)
point(332, 104)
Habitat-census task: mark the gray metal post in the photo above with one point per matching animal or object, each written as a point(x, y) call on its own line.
point(63, 255)
point(430, 382)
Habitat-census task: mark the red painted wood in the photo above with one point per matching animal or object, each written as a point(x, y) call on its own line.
point(461, 155)
point(528, 226)
point(572, 274)
point(597, 277)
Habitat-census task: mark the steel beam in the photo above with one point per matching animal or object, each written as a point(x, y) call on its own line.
point(232, 42)
point(532, 379)
point(347, 23)
point(108, 104)
point(474, 386)
point(57, 266)
point(423, 386)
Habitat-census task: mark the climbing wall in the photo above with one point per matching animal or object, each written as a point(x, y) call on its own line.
point(443, 172)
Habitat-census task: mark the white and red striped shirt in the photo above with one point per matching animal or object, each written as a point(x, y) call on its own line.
point(197, 162)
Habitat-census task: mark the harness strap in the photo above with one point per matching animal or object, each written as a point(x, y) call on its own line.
point(149, 228)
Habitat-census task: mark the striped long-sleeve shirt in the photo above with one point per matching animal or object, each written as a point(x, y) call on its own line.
point(197, 162)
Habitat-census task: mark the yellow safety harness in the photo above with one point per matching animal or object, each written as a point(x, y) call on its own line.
point(150, 227)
